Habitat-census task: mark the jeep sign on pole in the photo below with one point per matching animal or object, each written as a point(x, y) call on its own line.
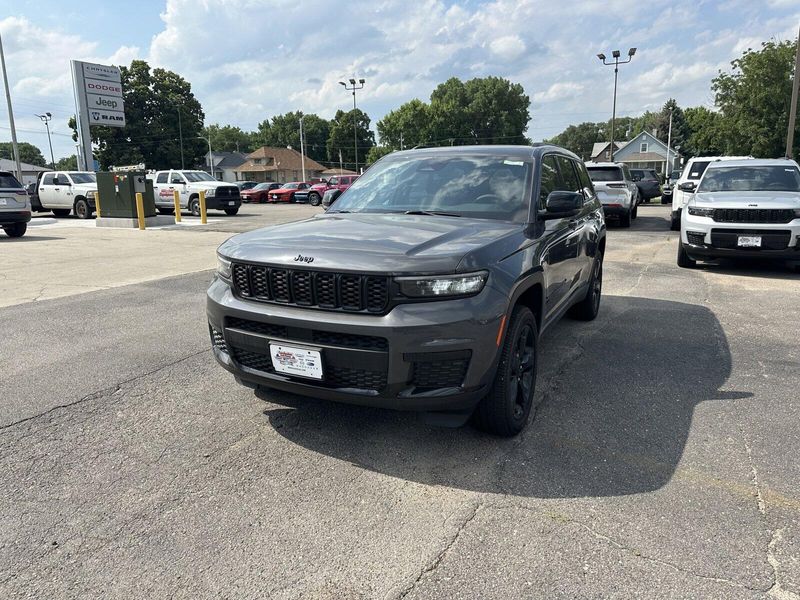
point(98, 98)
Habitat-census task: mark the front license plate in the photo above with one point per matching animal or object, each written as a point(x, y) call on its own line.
point(231, 203)
point(750, 241)
point(296, 361)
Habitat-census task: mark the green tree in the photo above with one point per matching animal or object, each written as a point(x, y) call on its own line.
point(705, 134)
point(228, 138)
point(579, 139)
point(377, 152)
point(151, 135)
point(28, 153)
point(284, 130)
point(488, 110)
point(67, 163)
point(341, 137)
point(406, 126)
point(754, 100)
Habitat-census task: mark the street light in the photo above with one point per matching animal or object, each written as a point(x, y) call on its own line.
point(353, 87)
point(46, 118)
point(616, 62)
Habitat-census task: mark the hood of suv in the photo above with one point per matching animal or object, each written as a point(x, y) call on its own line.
point(383, 243)
point(747, 199)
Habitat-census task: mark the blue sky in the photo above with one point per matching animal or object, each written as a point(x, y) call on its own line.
point(250, 59)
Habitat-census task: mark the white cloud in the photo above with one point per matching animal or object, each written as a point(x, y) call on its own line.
point(250, 59)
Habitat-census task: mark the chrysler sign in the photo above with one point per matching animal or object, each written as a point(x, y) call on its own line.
point(98, 93)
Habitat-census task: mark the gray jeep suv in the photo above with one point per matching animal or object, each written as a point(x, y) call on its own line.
point(425, 287)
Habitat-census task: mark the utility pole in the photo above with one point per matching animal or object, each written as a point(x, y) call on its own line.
point(341, 168)
point(353, 87)
point(793, 107)
point(180, 136)
point(401, 140)
point(14, 146)
point(668, 165)
point(46, 118)
point(302, 149)
point(615, 54)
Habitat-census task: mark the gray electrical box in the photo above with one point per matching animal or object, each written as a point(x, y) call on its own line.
point(118, 191)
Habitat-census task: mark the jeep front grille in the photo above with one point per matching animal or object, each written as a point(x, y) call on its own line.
point(753, 215)
point(317, 289)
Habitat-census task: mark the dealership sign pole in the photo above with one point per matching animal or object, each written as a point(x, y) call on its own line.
point(98, 99)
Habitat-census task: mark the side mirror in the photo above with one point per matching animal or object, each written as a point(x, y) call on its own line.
point(687, 186)
point(561, 204)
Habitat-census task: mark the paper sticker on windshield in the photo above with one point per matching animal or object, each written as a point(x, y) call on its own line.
point(514, 163)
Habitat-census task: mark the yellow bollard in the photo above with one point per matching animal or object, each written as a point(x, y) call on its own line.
point(203, 219)
point(97, 203)
point(177, 206)
point(140, 210)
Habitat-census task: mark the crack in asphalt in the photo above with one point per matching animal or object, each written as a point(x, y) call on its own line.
point(440, 556)
point(102, 392)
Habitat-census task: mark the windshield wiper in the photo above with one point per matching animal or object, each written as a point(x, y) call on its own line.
point(438, 213)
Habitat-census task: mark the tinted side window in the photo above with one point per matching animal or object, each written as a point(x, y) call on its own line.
point(549, 178)
point(568, 174)
point(49, 179)
point(627, 173)
point(162, 178)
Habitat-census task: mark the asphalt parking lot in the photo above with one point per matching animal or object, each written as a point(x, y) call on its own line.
point(662, 460)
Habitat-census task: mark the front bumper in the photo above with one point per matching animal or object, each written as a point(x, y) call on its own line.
point(430, 356)
point(16, 216)
point(704, 238)
point(214, 203)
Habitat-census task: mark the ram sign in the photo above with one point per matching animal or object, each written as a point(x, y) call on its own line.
point(98, 88)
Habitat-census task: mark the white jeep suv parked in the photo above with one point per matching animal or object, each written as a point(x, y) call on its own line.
point(743, 208)
point(617, 191)
point(692, 172)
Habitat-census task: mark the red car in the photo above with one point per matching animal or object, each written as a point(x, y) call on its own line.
point(337, 182)
point(288, 191)
point(259, 193)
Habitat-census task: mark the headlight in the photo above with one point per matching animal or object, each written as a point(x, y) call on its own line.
point(91, 194)
point(223, 267)
point(701, 212)
point(442, 285)
point(211, 192)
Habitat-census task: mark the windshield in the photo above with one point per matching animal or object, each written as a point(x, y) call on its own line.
point(290, 186)
point(83, 177)
point(262, 186)
point(751, 179)
point(195, 176)
point(478, 186)
point(605, 173)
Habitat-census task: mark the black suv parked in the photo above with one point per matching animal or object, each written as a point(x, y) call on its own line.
point(648, 182)
point(425, 287)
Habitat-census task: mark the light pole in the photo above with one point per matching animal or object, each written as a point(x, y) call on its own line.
point(14, 146)
point(302, 148)
point(668, 166)
point(46, 118)
point(353, 87)
point(615, 54)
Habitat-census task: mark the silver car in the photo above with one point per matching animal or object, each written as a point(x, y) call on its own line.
point(15, 206)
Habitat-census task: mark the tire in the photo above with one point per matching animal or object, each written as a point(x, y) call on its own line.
point(683, 259)
point(314, 199)
point(505, 410)
point(82, 209)
point(16, 230)
point(166, 211)
point(625, 220)
point(61, 212)
point(587, 309)
point(674, 222)
point(231, 211)
point(635, 212)
point(194, 207)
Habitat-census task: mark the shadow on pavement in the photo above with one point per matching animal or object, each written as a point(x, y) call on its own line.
point(31, 236)
point(616, 403)
point(769, 269)
point(646, 222)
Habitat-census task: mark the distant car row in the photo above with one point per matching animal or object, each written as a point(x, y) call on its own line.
point(295, 191)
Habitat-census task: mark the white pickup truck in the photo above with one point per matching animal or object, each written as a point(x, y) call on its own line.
point(65, 191)
point(219, 195)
